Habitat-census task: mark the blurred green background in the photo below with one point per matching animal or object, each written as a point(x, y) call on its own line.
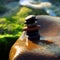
point(12, 17)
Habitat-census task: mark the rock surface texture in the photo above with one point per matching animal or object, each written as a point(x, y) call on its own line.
point(48, 48)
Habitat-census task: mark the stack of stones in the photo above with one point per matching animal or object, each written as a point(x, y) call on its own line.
point(32, 29)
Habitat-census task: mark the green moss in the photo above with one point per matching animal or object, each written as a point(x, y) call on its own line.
point(14, 24)
point(24, 11)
